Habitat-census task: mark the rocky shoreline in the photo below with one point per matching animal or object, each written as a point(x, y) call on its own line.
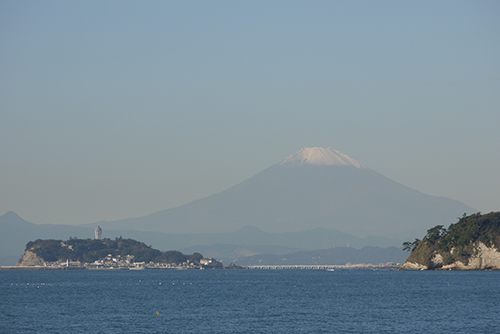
point(486, 258)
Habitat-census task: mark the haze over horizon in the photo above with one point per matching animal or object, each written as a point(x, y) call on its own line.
point(111, 110)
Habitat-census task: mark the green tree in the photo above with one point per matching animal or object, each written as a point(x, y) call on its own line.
point(435, 233)
point(410, 246)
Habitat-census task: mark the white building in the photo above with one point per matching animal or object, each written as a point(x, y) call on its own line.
point(98, 232)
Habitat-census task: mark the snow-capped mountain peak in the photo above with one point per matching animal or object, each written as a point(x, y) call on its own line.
point(320, 156)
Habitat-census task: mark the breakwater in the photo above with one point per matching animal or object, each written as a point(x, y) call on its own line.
point(326, 267)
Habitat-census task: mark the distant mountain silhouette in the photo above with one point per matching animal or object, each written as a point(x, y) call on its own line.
point(315, 198)
point(16, 232)
point(331, 256)
point(313, 188)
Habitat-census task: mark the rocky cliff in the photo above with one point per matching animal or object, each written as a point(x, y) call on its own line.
point(30, 259)
point(485, 258)
point(473, 243)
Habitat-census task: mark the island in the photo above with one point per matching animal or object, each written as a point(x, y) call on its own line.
point(473, 243)
point(107, 254)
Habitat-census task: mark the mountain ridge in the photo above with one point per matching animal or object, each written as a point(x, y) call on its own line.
point(292, 198)
point(15, 233)
point(310, 189)
point(331, 256)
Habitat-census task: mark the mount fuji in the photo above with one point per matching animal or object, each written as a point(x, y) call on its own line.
point(312, 188)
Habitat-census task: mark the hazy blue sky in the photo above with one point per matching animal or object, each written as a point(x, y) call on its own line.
point(116, 109)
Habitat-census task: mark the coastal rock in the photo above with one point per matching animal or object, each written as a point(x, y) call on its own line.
point(473, 243)
point(413, 266)
point(437, 260)
point(486, 258)
point(30, 259)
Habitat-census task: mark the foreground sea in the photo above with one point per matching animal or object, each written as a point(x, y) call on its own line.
point(249, 301)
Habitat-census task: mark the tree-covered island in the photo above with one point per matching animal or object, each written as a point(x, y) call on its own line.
point(108, 254)
point(473, 243)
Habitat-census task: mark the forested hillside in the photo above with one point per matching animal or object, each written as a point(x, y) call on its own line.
point(458, 243)
point(89, 250)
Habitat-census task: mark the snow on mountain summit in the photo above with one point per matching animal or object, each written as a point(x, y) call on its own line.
point(320, 156)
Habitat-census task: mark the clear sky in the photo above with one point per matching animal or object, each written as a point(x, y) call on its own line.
point(116, 109)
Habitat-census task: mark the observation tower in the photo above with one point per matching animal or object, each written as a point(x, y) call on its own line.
point(98, 233)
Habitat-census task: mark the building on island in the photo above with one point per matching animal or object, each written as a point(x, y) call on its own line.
point(98, 232)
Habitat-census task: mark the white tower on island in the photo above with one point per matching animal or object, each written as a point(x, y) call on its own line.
point(98, 232)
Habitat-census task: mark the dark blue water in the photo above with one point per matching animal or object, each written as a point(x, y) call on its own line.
point(249, 301)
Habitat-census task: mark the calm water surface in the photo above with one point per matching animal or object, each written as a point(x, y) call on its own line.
point(249, 301)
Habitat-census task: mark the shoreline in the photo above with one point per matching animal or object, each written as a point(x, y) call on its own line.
point(266, 267)
point(40, 268)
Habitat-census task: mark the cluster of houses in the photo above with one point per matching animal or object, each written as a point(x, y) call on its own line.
point(127, 262)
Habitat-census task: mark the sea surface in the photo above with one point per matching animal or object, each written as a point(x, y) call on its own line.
point(249, 301)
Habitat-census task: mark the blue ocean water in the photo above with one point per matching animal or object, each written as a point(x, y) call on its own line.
point(249, 301)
